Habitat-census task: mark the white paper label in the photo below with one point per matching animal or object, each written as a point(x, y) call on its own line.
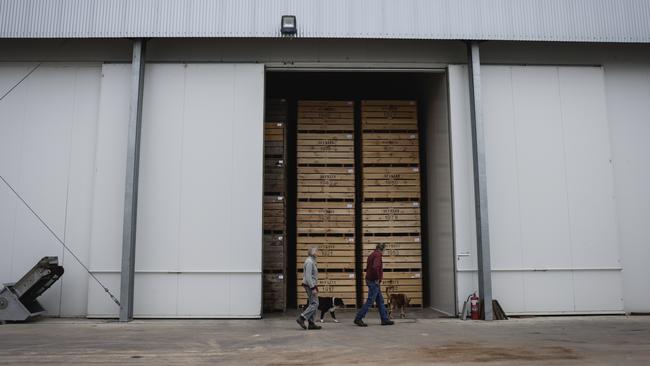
point(350, 171)
point(280, 198)
point(351, 240)
point(417, 239)
point(416, 169)
point(279, 124)
point(280, 237)
point(413, 136)
point(416, 204)
point(351, 275)
point(281, 277)
point(280, 161)
point(349, 205)
point(348, 136)
point(417, 275)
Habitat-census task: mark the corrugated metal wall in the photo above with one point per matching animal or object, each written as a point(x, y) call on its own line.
point(538, 20)
point(554, 239)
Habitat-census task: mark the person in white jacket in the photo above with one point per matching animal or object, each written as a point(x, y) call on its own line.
point(310, 284)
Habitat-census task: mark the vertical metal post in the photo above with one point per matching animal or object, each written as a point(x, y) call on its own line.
point(480, 180)
point(131, 187)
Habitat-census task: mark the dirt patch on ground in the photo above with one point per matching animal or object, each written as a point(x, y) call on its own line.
point(473, 352)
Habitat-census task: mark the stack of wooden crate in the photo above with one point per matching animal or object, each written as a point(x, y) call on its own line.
point(326, 196)
point(391, 193)
point(274, 219)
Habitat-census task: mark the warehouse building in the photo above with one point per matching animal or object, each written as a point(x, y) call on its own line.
point(187, 152)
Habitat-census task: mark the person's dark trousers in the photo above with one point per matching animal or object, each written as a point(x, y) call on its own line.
point(374, 295)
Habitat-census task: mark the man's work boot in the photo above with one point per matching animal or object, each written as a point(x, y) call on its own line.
point(301, 321)
point(313, 326)
point(387, 322)
point(360, 323)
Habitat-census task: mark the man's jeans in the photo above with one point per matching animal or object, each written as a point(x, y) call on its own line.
point(313, 305)
point(374, 295)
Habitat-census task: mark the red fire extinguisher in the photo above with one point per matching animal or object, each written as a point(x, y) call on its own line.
point(475, 312)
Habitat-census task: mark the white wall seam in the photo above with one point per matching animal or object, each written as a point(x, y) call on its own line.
point(69, 176)
point(180, 183)
point(518, 193)
point(566, 184)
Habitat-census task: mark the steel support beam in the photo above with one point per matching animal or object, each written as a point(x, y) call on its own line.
point(480, 180)
point(131, 186)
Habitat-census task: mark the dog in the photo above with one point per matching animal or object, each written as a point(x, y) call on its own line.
point(398, 301)
point(328, 305)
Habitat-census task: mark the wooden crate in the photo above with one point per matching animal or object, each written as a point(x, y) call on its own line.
point(391, 193)
point(402, 282)
point(403, 252)
point(393, 115)
point(274, 219)
point(325, 212)
point(276, 110)
point(274, 248)
point(274, 285)
point(339, 284)
point(334, 252)
point(274, 205)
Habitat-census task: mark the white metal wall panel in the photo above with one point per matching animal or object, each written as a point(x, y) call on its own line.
point(110, 177)
point(206, 209)
point(110, 171)
point(552, 215)
point(47, 131)
point(540, 166)
point(462, 178)
point(80, 190)
point(541, 20)
point(200, 193)
point(160, 169)
point(588, 161)
point(504, 213)
point(628, 93)
point(440, 229)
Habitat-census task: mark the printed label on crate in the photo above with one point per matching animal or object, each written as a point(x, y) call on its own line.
point(281, 277)
point(416, 204)
point(392, 252)
point(416, 239)
point(413, 136)
point(350, 171)
point(279, 125)
point(416, 169)
point(351, 275)
point(280, 237)
point(349, 136)
point(350, 240)
point(391, 281)
point(280, 198)
point(417, 275)
point(349, 205)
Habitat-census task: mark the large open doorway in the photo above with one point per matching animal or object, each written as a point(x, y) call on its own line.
point(428, 90)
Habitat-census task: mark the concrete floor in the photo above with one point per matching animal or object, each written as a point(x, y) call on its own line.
point(277, 340)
